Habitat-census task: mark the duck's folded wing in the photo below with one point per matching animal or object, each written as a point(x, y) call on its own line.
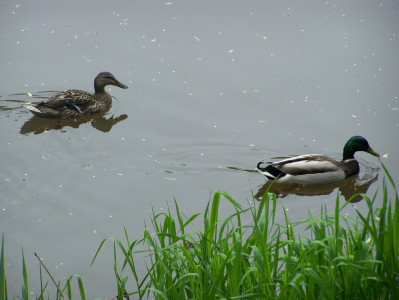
point(70, 97)
point(307, 164)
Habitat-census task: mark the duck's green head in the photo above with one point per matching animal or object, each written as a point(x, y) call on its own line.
point(106, 78)
point(357, 143)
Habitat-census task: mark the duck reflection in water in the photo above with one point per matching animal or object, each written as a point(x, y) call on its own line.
point(99, 121)
point(354, 185)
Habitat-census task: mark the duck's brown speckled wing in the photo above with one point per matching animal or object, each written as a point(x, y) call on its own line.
point(69, 97)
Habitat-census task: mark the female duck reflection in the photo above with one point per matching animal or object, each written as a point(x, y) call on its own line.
point(99, 121)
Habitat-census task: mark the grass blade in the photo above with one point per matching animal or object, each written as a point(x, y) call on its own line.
point(25, 286)
point(3, 283)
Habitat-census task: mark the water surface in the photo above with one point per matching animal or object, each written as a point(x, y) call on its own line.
point(214, 88)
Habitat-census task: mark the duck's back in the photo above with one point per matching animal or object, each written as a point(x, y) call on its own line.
point(75, 97)
point(68, 104)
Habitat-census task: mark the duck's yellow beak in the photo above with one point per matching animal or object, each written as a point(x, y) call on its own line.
point(372, 152)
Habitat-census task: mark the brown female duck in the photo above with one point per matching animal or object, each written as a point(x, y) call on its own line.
point(75, 103)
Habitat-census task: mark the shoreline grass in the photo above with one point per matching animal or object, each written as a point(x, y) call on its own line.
point(340, 257)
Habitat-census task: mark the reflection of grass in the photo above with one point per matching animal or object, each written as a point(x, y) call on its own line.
point(341, 257)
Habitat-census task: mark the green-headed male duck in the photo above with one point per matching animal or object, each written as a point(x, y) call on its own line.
point(317, 169)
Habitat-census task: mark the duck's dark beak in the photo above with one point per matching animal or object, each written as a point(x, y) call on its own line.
point(121, 85)
point(372, 152)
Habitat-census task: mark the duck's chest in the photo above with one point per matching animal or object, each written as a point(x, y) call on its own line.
point(351, 167)
point(101, 102)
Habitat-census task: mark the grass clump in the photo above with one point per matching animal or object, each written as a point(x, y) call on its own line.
point(336, 257)
point(59, 294)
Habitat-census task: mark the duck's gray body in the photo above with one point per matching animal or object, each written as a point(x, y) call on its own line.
point(316, 169)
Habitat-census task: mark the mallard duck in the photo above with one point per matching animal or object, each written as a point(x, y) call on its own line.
point(75, 103)
point(316, 169)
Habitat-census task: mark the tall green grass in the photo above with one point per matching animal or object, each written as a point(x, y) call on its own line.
point(337, 257)
point(205, 256)
point(44, 294)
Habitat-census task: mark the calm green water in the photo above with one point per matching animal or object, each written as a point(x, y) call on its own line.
point(214, 87)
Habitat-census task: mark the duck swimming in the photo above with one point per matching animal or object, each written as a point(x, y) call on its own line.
point(75, 103)
point(317, 169)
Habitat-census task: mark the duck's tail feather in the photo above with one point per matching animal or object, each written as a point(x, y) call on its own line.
point(259, 167)
point(31, 107)
point(270, 171)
